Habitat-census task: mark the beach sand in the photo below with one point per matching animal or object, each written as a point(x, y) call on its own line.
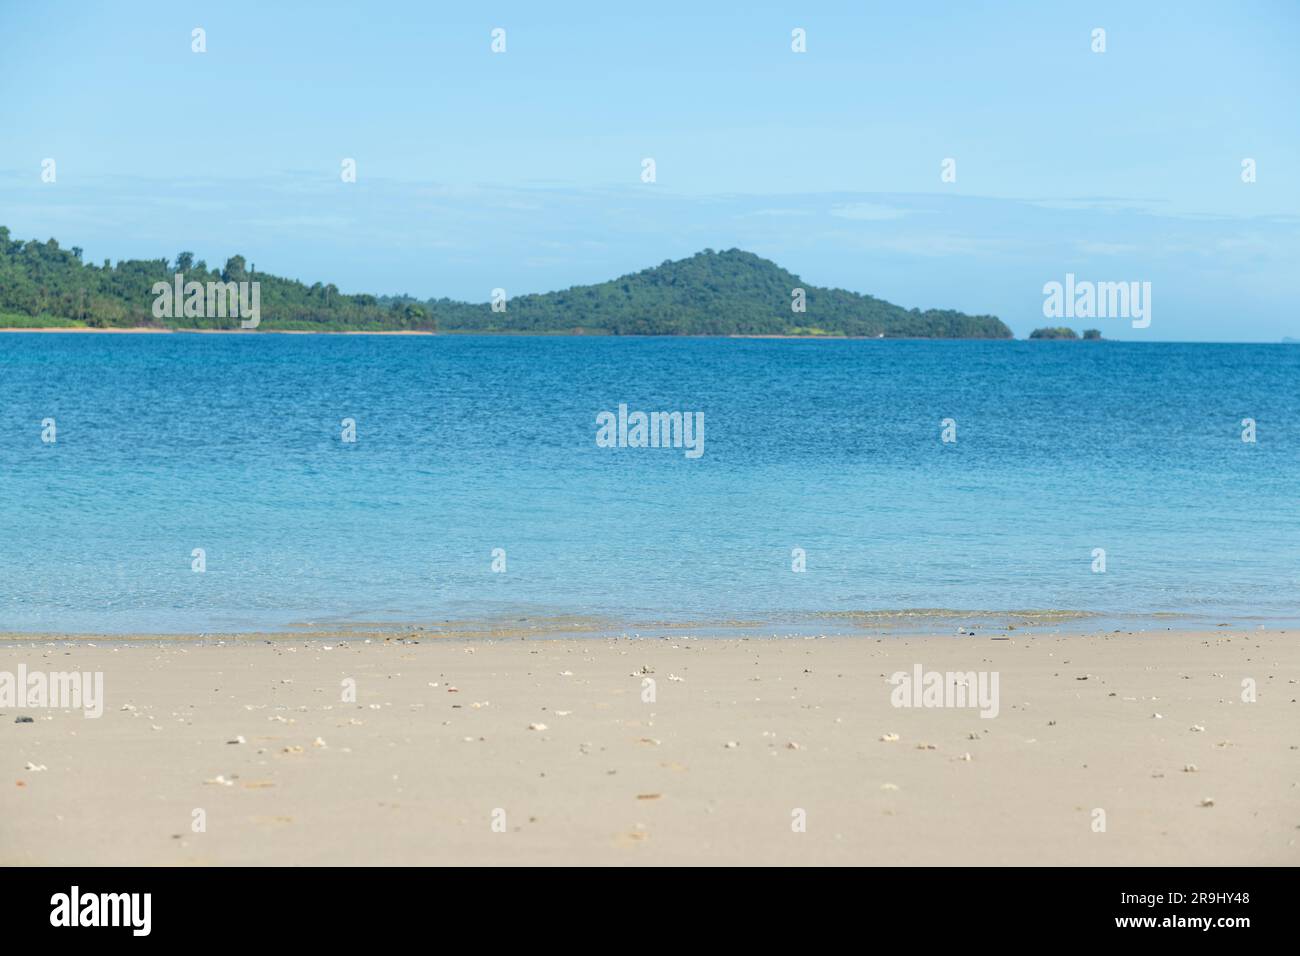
point(551, 741)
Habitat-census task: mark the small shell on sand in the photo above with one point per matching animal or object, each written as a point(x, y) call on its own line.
point(889, 738)
point(36, 767)
point(537, 727)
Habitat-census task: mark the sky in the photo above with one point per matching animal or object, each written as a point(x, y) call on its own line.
point(523, 169)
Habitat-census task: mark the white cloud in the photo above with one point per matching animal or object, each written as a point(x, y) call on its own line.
point(868, 212)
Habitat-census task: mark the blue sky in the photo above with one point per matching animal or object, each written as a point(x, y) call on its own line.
point(522, 170)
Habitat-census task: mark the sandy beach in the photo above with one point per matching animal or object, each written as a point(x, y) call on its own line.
point(657, 751)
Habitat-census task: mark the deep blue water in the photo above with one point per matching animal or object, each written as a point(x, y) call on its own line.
point(167, 443)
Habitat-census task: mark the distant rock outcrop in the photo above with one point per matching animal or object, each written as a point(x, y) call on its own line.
point(1057, 332)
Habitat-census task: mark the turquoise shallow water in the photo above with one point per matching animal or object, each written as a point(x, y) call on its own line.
point(167, 443)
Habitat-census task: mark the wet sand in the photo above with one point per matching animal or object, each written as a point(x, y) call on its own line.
point(546, 751)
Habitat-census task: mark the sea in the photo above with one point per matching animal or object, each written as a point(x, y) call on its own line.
point(456, 484)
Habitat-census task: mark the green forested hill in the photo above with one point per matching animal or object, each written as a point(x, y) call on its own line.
point(725, 293)
point(44, 285)
point(711, 293)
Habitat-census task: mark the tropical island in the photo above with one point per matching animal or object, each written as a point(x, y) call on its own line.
point(1062, 332)
point(710, 293)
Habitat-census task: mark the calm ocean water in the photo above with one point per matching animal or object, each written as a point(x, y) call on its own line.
point(167, 443)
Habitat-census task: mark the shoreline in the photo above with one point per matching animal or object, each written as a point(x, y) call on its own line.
point(149, 330)
point(676, 750)
point(594, 334)
point(591, 334)
point(142, 330)
point(863, 625)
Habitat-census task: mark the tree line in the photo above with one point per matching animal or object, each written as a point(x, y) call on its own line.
point(711, 293)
